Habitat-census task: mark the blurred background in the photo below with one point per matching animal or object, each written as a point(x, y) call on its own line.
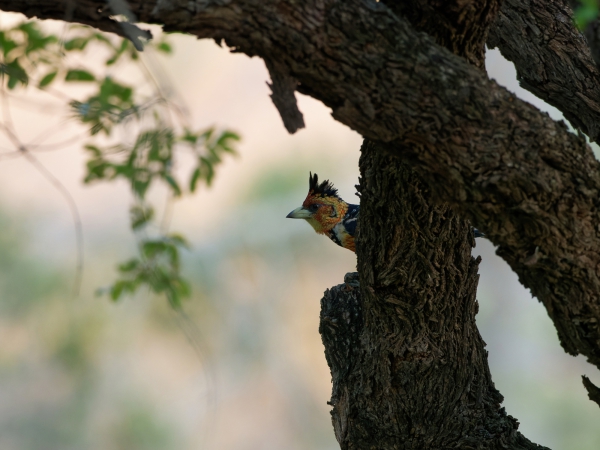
point(243, 368)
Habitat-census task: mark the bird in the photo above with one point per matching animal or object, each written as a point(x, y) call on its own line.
point(328, 214)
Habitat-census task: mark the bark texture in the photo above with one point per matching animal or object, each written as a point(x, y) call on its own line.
point(283, 87)
point(552, 58)
point(458, 25)
point(409, 367)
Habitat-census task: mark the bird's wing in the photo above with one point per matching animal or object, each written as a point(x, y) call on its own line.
point(350, 220)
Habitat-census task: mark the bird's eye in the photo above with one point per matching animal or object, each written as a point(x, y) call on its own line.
point(313, 207)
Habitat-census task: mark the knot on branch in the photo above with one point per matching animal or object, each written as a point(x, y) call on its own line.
point(127, 28)
point(340, 326)
point(282, 88)
point(135, 34)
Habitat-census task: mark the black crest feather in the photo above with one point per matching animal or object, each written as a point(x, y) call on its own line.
point(324, 189)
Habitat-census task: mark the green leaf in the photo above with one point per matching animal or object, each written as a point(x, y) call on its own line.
point(78, 43)
point(194, 180)
point(173, 184)
point(16, 74)
point(151, 249)
point(165, 47)
point(207, 169)
point(184, 288)
point(6, 44)
point(224, 139)
point(97, 170)
point(12, 82)
point(47, 79)
point(207, 134)
point(93, 149)
point(190, 137)
point(79, 75)
point(118, 53)
point(586, 13)
point(129, 266)
point(174, 299)
point(36, 39)
point(140, 187)
point(120, 286)
point(110, 88)
point(140, 216)
point(97, 128)
point(178, 240)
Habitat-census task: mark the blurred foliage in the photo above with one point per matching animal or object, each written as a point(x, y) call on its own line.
point(586, 13)
point(138, 429)
point(31, 56)
point(22, 280)
point(158, 267)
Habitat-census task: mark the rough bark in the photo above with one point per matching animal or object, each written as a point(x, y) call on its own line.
point(409, 367)
point(460, 26)
point(552, 58)
point(283, 87)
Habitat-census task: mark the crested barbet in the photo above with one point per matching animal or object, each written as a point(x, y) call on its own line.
point(328, 214)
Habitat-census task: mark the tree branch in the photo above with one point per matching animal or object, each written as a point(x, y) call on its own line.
point(282, 94)
point(516, 174)
point(552, 58)
point(97, 14)
point(458, 25)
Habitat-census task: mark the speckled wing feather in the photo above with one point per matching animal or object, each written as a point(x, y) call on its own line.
point(350, 220)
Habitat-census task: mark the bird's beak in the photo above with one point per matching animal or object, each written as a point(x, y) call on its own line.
point(299, 213)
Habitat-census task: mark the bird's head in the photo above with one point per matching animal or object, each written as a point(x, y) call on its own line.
point(322, 208)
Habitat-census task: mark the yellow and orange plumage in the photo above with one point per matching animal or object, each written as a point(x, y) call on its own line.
point(328, 214)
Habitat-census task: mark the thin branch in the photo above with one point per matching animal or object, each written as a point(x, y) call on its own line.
point(11, 155)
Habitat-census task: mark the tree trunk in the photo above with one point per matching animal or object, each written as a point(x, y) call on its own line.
point(409, 367)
